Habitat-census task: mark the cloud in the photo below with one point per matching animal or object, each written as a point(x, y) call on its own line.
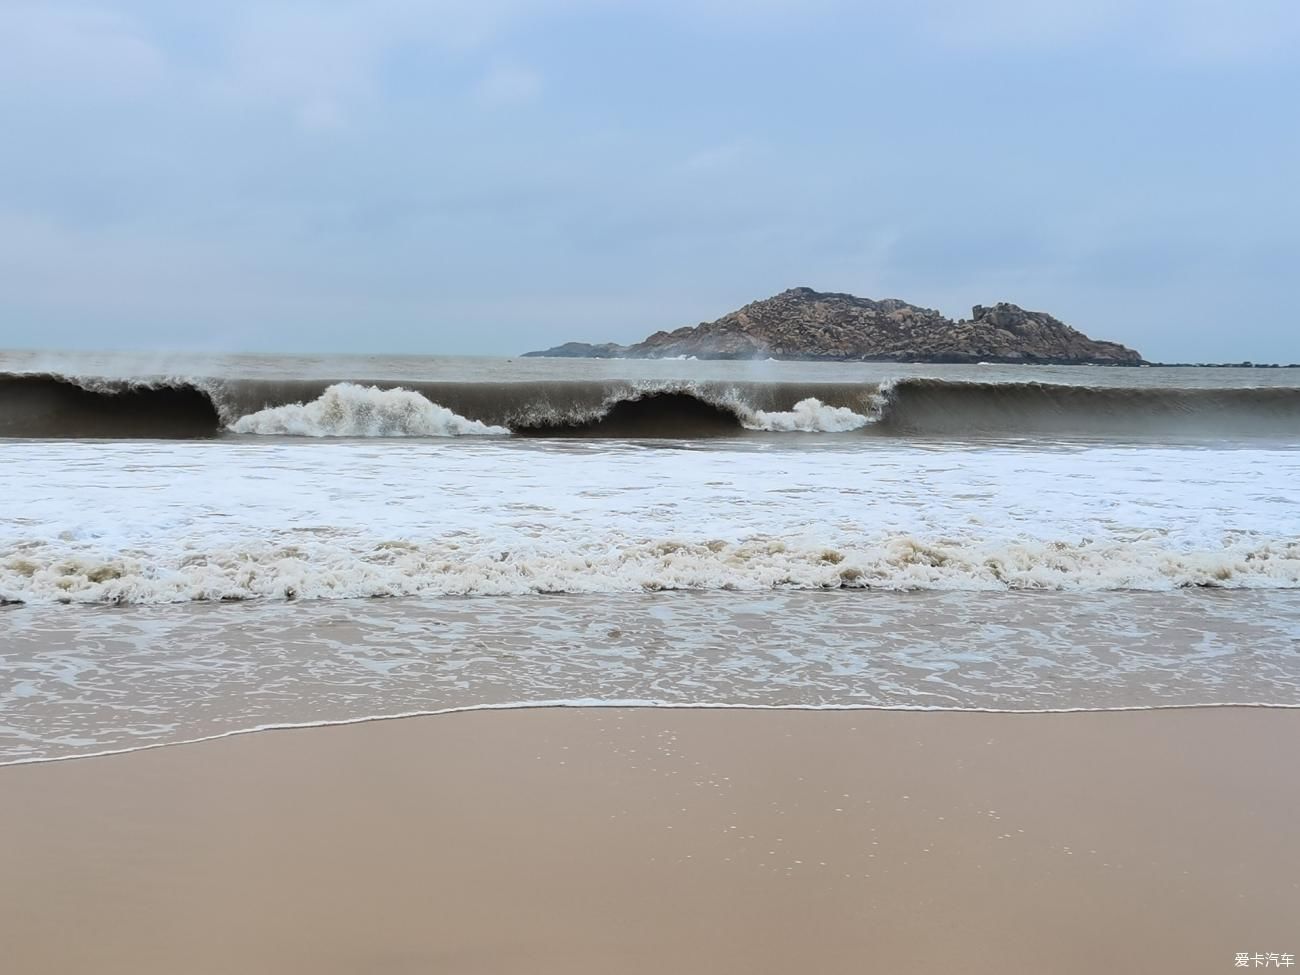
point(715, 158)
point(1232, 30)
point(287, 169)
point(323, 61)
point(1188, 31)
point(87, 49)
point(321, 115)
point(313, 61)
point(507, 85)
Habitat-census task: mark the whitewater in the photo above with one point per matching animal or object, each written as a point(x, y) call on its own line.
point(150, 521)
point(202, 548)
point(352, 410)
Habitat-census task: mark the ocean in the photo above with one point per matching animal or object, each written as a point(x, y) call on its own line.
point(199, 546)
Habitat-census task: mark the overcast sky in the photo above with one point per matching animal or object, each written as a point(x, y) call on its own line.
point(491, 176)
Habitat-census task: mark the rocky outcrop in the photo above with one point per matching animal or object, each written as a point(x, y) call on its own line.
point(584, 350)
point(806, 324)
point(1007, 332)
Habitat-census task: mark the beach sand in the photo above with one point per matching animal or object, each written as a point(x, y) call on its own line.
point(612, 841)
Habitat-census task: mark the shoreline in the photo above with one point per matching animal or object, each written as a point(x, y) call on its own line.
point(613, 839)
point(634, 705)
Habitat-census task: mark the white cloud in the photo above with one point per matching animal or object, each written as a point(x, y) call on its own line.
point(312, 60)
point(152, 191)
point(508, 84)
point(1232, 30)
point(321, 115)
point(1174, 30)
point(76, 47)
point(715, 158)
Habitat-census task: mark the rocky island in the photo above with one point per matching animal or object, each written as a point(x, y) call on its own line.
point(806, 324)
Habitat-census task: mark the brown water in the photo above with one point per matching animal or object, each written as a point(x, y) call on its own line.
point(81, 681)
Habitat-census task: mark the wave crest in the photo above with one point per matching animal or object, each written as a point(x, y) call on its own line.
point(49, 405)
point(809, 415)
point(962, 408)
point(349, 410)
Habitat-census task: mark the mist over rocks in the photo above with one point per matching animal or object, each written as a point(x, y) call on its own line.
point(805, 324)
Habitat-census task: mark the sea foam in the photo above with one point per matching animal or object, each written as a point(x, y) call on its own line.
point(139, 522)
point(809, 415)
point(350, 569)
point(350, 410)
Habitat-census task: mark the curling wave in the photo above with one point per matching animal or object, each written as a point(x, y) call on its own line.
point(941, 407)
point(49, 405)
point(349, 410)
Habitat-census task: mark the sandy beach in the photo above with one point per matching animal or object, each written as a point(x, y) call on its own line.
point(603, 840)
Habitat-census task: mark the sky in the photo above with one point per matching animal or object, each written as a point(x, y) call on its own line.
point(492, 176)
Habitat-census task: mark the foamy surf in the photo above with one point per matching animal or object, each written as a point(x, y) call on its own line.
point(809, 415)
point(719, 532)
point(140, 522)
point(266, 665)
point(341, 569)
point(349, 410)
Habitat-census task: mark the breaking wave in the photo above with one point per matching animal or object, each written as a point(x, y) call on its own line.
point(653, 413)
point(403, 568)
point(939, 407)
point(809, 415)
point(348, 410)
point(49, 406)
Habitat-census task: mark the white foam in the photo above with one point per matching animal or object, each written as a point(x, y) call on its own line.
point(143, 522)
point(349, 410)
point(339, 569)
point(808, 416)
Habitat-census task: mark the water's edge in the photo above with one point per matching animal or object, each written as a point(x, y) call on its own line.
point(639, 706)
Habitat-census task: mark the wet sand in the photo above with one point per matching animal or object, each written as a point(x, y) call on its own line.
point(617, 841)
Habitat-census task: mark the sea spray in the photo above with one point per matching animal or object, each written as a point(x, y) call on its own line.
point(809, 415)
point(349, 410)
